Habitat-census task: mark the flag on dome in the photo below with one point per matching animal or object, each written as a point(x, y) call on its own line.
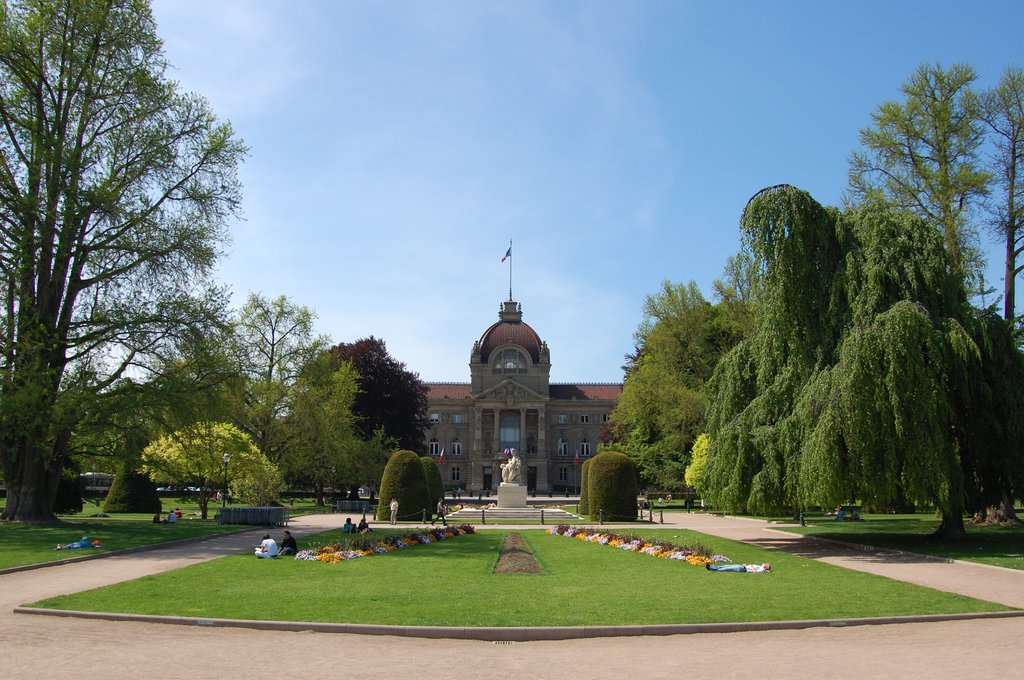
point(508, 254)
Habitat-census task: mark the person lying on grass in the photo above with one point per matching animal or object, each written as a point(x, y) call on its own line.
point(79, 544)
point(740, 568)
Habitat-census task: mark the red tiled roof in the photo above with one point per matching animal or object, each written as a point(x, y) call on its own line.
point(579, 391)
point(610, 391)
point(448, 390)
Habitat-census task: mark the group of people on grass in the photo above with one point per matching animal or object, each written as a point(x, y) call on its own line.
point(349, 528)
point(269, 549)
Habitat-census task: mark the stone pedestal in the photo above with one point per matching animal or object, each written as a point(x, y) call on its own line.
point(511, 495)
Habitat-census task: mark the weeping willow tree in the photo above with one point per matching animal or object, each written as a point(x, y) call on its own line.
point(864, 374)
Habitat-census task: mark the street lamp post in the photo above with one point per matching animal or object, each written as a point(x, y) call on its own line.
point(224, 498)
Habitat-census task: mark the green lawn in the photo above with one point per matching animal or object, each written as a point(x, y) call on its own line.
point(999, 546)
point(189, 506)
point(452, 583)
point(34, 543)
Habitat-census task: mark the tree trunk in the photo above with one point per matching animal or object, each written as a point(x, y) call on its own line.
point(951, 528)
point(31, 488)
point(1001, 515)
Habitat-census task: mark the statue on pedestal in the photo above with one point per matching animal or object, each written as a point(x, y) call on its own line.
point(512, 471)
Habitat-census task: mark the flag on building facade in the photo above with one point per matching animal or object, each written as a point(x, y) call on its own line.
point(577, 459)
point(440, 459)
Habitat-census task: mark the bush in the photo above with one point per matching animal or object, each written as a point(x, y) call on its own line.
point(435, 487)
point(404, 480)
point(132, 491)
point(611, 487)
point(584, 490)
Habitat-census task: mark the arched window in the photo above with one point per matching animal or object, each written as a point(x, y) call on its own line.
point(509, 361)
point(456, 447)
point(584, 447)
point(435, 447)
point(563, 447)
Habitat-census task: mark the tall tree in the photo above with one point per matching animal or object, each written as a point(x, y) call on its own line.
point(661, 409)
point(195, 455)
point(275, 341)
point(922, 155)
point(861, 380)
point(114, 191)
point(325, 447)
point(391, 398)
point(1003, 112)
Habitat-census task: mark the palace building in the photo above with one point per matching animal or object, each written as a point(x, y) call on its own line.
point(509, 403)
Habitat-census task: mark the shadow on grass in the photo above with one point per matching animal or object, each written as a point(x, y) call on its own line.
point(820, 547)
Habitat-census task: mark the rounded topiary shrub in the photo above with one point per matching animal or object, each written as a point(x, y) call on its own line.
point(584, 500)
point(405, 481)
point(132, 491)
point(435, 487)
point(611, 487)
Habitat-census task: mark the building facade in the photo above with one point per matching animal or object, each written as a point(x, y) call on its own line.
point(509, 403)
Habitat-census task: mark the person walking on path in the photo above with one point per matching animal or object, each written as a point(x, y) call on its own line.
point(441, 509)
point(394, 510)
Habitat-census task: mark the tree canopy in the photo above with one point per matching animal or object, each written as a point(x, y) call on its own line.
point(859, 381)
point(922, 155)
point(661, 409)
point(274, 342)
point(195, 456)
point(114, 191)
point(390, 398)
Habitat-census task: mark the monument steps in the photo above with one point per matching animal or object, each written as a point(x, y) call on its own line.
point(549, 515)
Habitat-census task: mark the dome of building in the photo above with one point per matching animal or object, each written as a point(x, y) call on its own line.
point(510, 329)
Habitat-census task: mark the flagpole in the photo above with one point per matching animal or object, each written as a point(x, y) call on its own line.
point(510, 271)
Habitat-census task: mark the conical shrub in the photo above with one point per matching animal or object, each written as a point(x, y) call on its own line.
point(611, 487)
point(405, 481)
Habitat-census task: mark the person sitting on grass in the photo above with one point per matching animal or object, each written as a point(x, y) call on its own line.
point(347, 527)
point(288, 545)
point(364, 527)
point(740, 568)
point(268, 548)
point(171, 517)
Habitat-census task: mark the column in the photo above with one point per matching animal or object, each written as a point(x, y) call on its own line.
point(496, 446)
point(522, 431)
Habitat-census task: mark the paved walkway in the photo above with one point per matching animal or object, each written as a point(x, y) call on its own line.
point(46, 647)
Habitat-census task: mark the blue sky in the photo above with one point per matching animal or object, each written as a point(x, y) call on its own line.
point(397, 147)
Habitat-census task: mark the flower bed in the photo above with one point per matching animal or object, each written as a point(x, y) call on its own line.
point(696, 555)
point(364, 547)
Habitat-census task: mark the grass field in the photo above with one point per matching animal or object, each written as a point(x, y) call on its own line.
point(452, 583)
point(998, 546)
point(25, 544)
